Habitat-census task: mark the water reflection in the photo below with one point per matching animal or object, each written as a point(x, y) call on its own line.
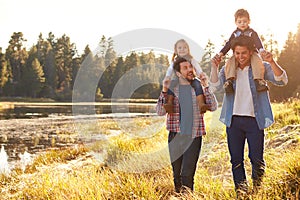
point(35, 110)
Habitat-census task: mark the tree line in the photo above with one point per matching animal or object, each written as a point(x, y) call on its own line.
point(49, 68)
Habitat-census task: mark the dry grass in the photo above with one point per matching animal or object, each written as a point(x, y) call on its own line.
point(136, 166)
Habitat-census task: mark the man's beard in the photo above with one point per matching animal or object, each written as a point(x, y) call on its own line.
point(192, 75)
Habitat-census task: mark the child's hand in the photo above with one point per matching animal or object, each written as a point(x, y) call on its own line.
point(204, 79)
point(166, 83)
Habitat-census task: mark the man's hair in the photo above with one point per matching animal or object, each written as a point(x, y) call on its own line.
point(241, 13)
point(176, 65)
point(244, 41)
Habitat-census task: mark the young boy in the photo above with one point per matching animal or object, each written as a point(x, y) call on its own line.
point(242, 21)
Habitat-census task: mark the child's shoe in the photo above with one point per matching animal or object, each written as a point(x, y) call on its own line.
point(261, 85)
point(228, 86)
point(169, 105)
point(201, 103)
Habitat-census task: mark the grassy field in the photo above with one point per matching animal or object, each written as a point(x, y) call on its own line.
point(136, 166)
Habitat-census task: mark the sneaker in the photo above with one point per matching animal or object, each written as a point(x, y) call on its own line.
point(228, 86)
point(242, 195)
point(201, 103)
point(256, 186)
point(203, 108)
point(261, 85)
point(242, 192)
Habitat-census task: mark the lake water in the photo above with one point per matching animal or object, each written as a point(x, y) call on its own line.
point(35, 110)
point(35, 127)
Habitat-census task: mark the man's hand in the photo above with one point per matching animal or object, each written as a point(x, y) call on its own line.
point(277, 69)
point(166, 84)
point(214, 70)
point(268, 57)
point(215, 62)
point(218, 57)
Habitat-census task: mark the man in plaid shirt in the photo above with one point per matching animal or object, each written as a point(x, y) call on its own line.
point(185, 124)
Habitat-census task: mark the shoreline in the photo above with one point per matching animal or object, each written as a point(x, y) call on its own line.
point(39, 134)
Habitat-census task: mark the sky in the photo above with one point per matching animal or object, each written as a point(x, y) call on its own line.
point(86, 21)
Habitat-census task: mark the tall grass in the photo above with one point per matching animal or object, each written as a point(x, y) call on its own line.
point(139, 167)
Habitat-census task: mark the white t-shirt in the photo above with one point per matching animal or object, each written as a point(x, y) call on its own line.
point(243, 102)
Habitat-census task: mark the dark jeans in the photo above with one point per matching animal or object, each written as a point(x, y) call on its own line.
point(245, 128)
point(184, 153)
point(196, 84)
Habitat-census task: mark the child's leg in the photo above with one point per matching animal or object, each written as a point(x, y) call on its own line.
point(169, 104)
point(257, 65)
point(258, 71)
point(201, 103)
point(199, 96)
point(230, 70)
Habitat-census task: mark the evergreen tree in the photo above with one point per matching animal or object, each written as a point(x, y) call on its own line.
point(289, 60)
point(76, 63)
point(87, 51)
point(119, 71)
point(148, 59)
point(49, 69)
point(51, 39)
point(17, 55)
point(149, 76)
point(64, 52)
point(4, 73)
point(162, 60)
point(102, 48)
point(34, 78)
point(86, 82)
point(110, 60)
point(132, 61)
point(209, 52)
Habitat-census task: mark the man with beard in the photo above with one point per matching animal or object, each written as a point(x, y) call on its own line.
point(185, 125)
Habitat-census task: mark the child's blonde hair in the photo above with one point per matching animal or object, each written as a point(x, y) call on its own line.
point(175, 55)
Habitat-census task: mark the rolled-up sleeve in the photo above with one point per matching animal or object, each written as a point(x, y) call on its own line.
point(210, 99)
point(276, 80)
point(283, 77)
point(160, 110)
point(214, 86)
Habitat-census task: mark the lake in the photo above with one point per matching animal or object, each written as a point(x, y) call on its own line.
point(35, 127)
point(11, 110)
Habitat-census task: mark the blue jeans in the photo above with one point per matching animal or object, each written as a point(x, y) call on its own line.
point(196, 84)
point(245, 128)
point(184, 153)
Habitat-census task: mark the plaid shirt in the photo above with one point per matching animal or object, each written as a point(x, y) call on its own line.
point(173, 119)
